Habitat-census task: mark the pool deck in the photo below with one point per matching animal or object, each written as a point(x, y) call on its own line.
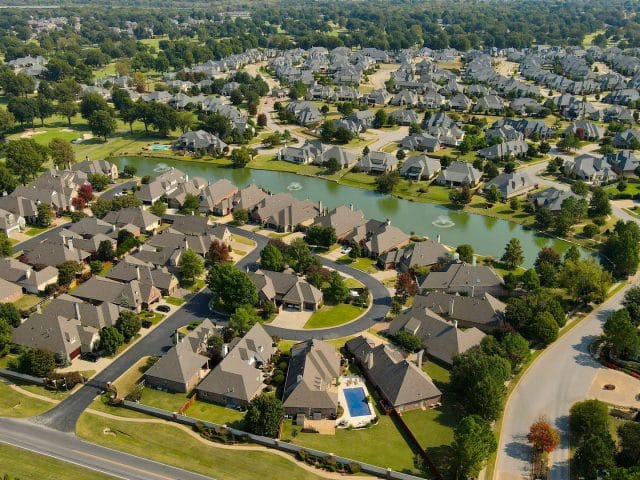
point(346, 419)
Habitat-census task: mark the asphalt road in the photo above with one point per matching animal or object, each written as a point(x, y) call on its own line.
point(69, 448)
point(561, 376)
point(32, 242)
point(117, 188)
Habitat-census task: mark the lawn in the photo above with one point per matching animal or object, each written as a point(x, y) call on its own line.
point(164, 400)
point(243, 240)
point(168, 444)
point(125, 382)
point(367, 265)
point(102, 404)
point(21, 463)
point(45, 392)
point(437, 373)
point(14, 404)
point(499, 210)
point(422, 192)
point(33, 231)
point(27, 301)
point(332, 315)
point(175, 301)
point(210, 412)
point(353, 283)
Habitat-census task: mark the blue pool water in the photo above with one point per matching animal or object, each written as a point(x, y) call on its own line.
point(357, 402)
point(160, 147)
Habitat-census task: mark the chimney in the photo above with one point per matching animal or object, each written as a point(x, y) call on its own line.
point(76, 307)
point(438, 239)
point(419, 356)
point(455, 324)
point(138, 273)
point(320, 206)
point(474, 262)
point(370, 360)
point(451, 307)
point(27, 272)
point(70, 243)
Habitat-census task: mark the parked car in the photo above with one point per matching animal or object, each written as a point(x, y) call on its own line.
point(163, 308)
point(89, 356)
point(146, 324)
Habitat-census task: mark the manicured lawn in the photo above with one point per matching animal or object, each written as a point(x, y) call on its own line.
point(353, 283)
point(210, 412)
point(128, 379)
point(367, 265)
point(242, 240)
point(332, 315)
point(165, 400)
point(21, 463)
point(14, 404)
point(438, 373)
point(170, 445)
point(422, 192)
point(380, 444)
point(4, 361)
point(270, 162)
point(153, 317)
point(174, 301)
point(633, 188)
point(358, 180)
point(499, 210)
point(432, 427)
point(27, 301)
point(45, 392)
point(101, 404)
point(33, 231)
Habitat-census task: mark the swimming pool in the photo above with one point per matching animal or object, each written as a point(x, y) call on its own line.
point(159, 147)
point(357, 402)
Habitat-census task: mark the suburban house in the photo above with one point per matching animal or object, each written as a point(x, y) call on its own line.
point(402, 384)
point(200, 141)
point(129, 268)
point(624, 162)
point(585, 130)
point(377, 162)
point(177, 197)
point(53, 252)
point(506, 133)
point(248, 197)
point(101, 167)
point(10, 222)
point(304, 154)
point(377, 237)
point(422, 142)
point(21, 207)
point(282, 212)
point(9, 292)
point(442, 340)
point(404, 117)
point(511, 184)
point(467, 279)
point(414, 255)
point(627, 139)
point(136, 216)
point(182, 367)
point(345, 158)
point(217, 197)
point(286, 290)
point(311, 386)
point(133, 295)
point(552, 198)
point(591, 169)
point(505, 150)
point(420, 167)
point(342, 219)
point(405, 98)
point(173, 240)
point(459, 173)
point(29, 279)
point(238, 378)
point(161, 185)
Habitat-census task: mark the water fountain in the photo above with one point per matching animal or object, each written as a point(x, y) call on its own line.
point(293, 186)
point(161, 168)
point(443, 221)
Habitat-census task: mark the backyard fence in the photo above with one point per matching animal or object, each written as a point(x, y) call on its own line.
point(21, 377)
point(268, 442)
point(423, 454)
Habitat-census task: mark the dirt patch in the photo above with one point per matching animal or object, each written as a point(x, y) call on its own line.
point(625, 394)
point(30, 133)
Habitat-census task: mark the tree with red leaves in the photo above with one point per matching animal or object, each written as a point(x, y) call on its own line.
point(543, 437)
point(406, 286)
point(86, 192)
point(218, 252)
point(79, 203)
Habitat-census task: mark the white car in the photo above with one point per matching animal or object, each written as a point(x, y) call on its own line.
point(345, 250)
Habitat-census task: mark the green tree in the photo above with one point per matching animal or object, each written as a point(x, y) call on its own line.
point(460, 197)
point(7, 121)
point(264, 415)
point(337, 291)
point(629, 439)
point(44, 108)
point(594, 455)
point(530, 280)
point(271, 258)
point(128, 324)
point(67, 272)
point(110, 340)
point(191, 204)
point(621, 334)
point(588, 418)
point(622, 249)
point(231, 287)
point(44, 215)
point(386, 182)
point(92, 103)
point(585, 280)
point(240, 157)
point(6, 333)
point(243, 319)
point(298, 256)
point(513, 256)
point(473, 444)
point(599, 206)
point(544, 328)
point(68, 109)
point(580, 188)
point(36, 362)
point(493, 194)
point(105, 252)
point(8, 181)
point(6, 249)
point(240, 216)
point(99, 181)
point(465, 251)
point(25, 158)
point(408, 341)
point(10, 313)
point(321, 236)
point(631, 302)
point(516, 348)
point(164, 118)
point(332, 165)
point(572, 254)
point(543, 219)
point(102, 124)
point(191, 265)
point(158, 208)
point(184, 121)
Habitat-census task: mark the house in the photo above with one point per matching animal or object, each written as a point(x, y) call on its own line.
point(505, 150)
point(217, 197)
point(101, 167)
point(628, 139)
point(20, 206)
point(465, 279)
point(10, 222)
point(420, 167)
point(161, 185)
point(484, 312)
point(405, 98)
point(442, 340)
point(404, 117)
point(585, 130)
point(311, 385)
point(287, 290)
point(132, 295)
point(282, 212)
point(247, 198)
point(511, 184)
point(90, 316)
point(460, 102)
point(552, 198)
point(137, 216)
point(591, 169)
point(415, 255)
point(306, 113)
point(88, 227)
point(238, 378)
point(379, 97)
point(402, 384)
point(489, 103)
point(506, 133)
point(383, 238)
point(170, 240)
point(459, 173)
point(200, 141)
point(62, 336)
point(9, 292)
point(148, 275)
point(182, 367)
point(377, 162)
point(192, 186)
point(421, 142)
point(451, 136)
point(342, 219)
point(304, 154)
point(29, 279)
point(623, 162)
point(53, 252)
point(345, 158)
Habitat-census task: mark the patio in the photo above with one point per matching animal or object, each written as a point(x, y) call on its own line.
point(354, 416)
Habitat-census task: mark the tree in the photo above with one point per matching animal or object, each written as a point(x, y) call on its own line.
point(6, 248)
point(264, 415)
point(493, 195)
point(513, 256)
point(337, 291)
point(408, 341)
point(240, 216)
point(530, 280)
point(580, 188)
point(163, 118)
point(406, 286)
point(588, 418)
point(585, 280)
point(110, 340)
point(321, 236)
point(543, 219)
point(629, 439)
point(621, 335)
point(465, 251)
point(596, 454)
point(514, 204)
point(243, 319)
point(572, 254)
point(102, 124)
point(105, 252)
point(44, 215)
point(6, 333)
point(544, 328)
point(599, 206)
point(37, 362)
point(460, 197)
point(386, 182)
point(380, 118)
point(92, 103)
point(328, 131)
point(67, 272)
point(129, 171)
point(191, 204)
point(332, 165)
point(631, 302)
point(271, 258)
point(231, 287)
point(298, 256)
point(240, 157)
point(98, 181)
point(516, 349)
point(44, 108)
point(473, 444)
point(262, 119)
point(622, 250)
point(10, 314)
point(218, 252)
point(158, 208)
point(8, 182)
point(128, 324)
point(85, 191)
point(521, 311)
point(184, 121)
point(191, 265)
point(7, 121)
point(543, 437)
point(25, 158)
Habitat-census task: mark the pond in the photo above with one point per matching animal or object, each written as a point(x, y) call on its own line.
point(487, 235)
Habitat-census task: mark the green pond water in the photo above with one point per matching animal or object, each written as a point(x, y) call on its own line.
point(488, 236)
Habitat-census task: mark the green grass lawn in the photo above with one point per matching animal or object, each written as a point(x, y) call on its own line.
point(45, 392)
point(33, 231)
point(28, 300)
point(168, 444)
point(164, 400)
point(437, 373)
point(332, 315)
point(367, 265)
point(102, 404)
point(4, 361)
point(243, 240)
point(422, 192)
point(19, 463)
point(210, 412)
point(15, 404)
point(499, 210)
point(174, 301)
point(353, 283)
point(632, 188)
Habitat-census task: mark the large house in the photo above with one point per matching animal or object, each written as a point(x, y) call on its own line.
point(415, 255)
point(9, 292)
point(459, 173)
point(29, 279)
point(311, 386)
point(342, 219)
point(402, 384)
point(137, 216)
point(511, 184)
point(552, 198)
point(591, 169)
point(132, 295)
point(283, 213)
point(161, 185)
point(420, 167)
point(465, 279)
point(218, 197)
point(286, 290)
point(505, 150)
point(53, 252)
point(101, 167)
point(377, 162)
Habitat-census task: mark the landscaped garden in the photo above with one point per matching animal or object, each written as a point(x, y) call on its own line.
point(332, 315)
point(366, 264)
point(209, 412)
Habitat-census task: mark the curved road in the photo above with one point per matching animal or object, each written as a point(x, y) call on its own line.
point(561, 376)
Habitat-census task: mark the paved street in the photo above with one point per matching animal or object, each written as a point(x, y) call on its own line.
point(119, 187)
point(561, 376)
point(32, 242)
point(69, 448)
